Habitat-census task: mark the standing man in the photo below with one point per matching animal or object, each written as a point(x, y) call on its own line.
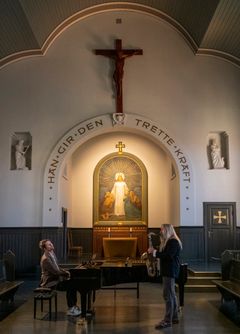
point(51, 276)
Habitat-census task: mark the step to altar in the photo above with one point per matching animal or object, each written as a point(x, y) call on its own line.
point(201, 281)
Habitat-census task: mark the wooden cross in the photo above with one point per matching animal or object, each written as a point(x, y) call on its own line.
point(119, 55)
point(120, 146)
point(219, 217)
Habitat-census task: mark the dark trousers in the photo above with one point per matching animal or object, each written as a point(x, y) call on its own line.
point(71, 292)
point(71, 295)
point(170, 298)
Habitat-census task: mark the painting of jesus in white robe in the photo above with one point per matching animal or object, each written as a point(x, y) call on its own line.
point(119, 191)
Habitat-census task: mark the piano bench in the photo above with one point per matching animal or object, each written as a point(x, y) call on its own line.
point(42, 295)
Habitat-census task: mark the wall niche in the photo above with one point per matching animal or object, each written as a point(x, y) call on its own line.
point(21, 151)
point(218, 150)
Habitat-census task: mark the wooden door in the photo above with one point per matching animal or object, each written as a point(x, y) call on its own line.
point(220, 228)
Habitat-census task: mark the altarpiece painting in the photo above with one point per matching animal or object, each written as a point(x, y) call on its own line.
point(120, 191)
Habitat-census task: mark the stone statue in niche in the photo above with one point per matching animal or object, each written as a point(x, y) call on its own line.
point(217, 159)
point(21, 151)
point(20, 155)
point(218, 150)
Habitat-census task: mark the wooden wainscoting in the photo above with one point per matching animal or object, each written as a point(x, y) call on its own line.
point(23, 241)
point(139, 232)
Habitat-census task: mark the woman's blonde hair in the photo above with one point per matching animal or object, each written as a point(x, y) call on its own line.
point(42, 243)
point(169, 233)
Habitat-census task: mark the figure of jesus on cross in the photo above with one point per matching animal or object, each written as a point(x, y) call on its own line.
point(119, 55)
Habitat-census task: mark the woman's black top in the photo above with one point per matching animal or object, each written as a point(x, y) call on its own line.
point(169, 258)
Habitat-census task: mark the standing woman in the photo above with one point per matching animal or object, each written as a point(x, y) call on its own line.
point(170, 248)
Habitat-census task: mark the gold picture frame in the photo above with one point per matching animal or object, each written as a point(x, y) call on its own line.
point(120, 191)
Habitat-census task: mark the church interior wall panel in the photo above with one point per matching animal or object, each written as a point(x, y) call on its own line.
point(189, 96)
point(99, 234)
point(142, 241)
point(24, 243)
point(238, 238)
point(192, 239)
point(83, 237)
point(193, 243)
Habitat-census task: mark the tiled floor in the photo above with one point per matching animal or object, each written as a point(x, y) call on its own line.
point(125, 314)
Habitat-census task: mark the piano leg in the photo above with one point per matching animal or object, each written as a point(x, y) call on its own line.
point(90, 300)
point(94, 295)
point(181, 294)
point(86, 302)
point(83, 304)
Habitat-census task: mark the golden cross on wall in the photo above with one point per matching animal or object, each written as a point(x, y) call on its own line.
point(120, 146)
point(219, 217)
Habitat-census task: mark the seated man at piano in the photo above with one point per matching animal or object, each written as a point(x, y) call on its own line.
point(52, 275)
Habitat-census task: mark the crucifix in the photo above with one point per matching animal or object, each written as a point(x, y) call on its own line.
point(118, 55)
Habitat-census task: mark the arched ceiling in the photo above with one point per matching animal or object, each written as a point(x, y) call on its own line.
point(211, 27)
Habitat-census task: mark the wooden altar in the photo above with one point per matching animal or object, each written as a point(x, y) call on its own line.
point(139, 233)
point(120, 247)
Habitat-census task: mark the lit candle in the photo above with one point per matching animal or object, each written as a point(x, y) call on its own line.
point(109, 230)
point(131, 229)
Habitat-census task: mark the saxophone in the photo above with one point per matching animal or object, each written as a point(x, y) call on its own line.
point(151, 262)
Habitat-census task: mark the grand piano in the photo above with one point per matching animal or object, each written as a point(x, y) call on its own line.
point(90, 276)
